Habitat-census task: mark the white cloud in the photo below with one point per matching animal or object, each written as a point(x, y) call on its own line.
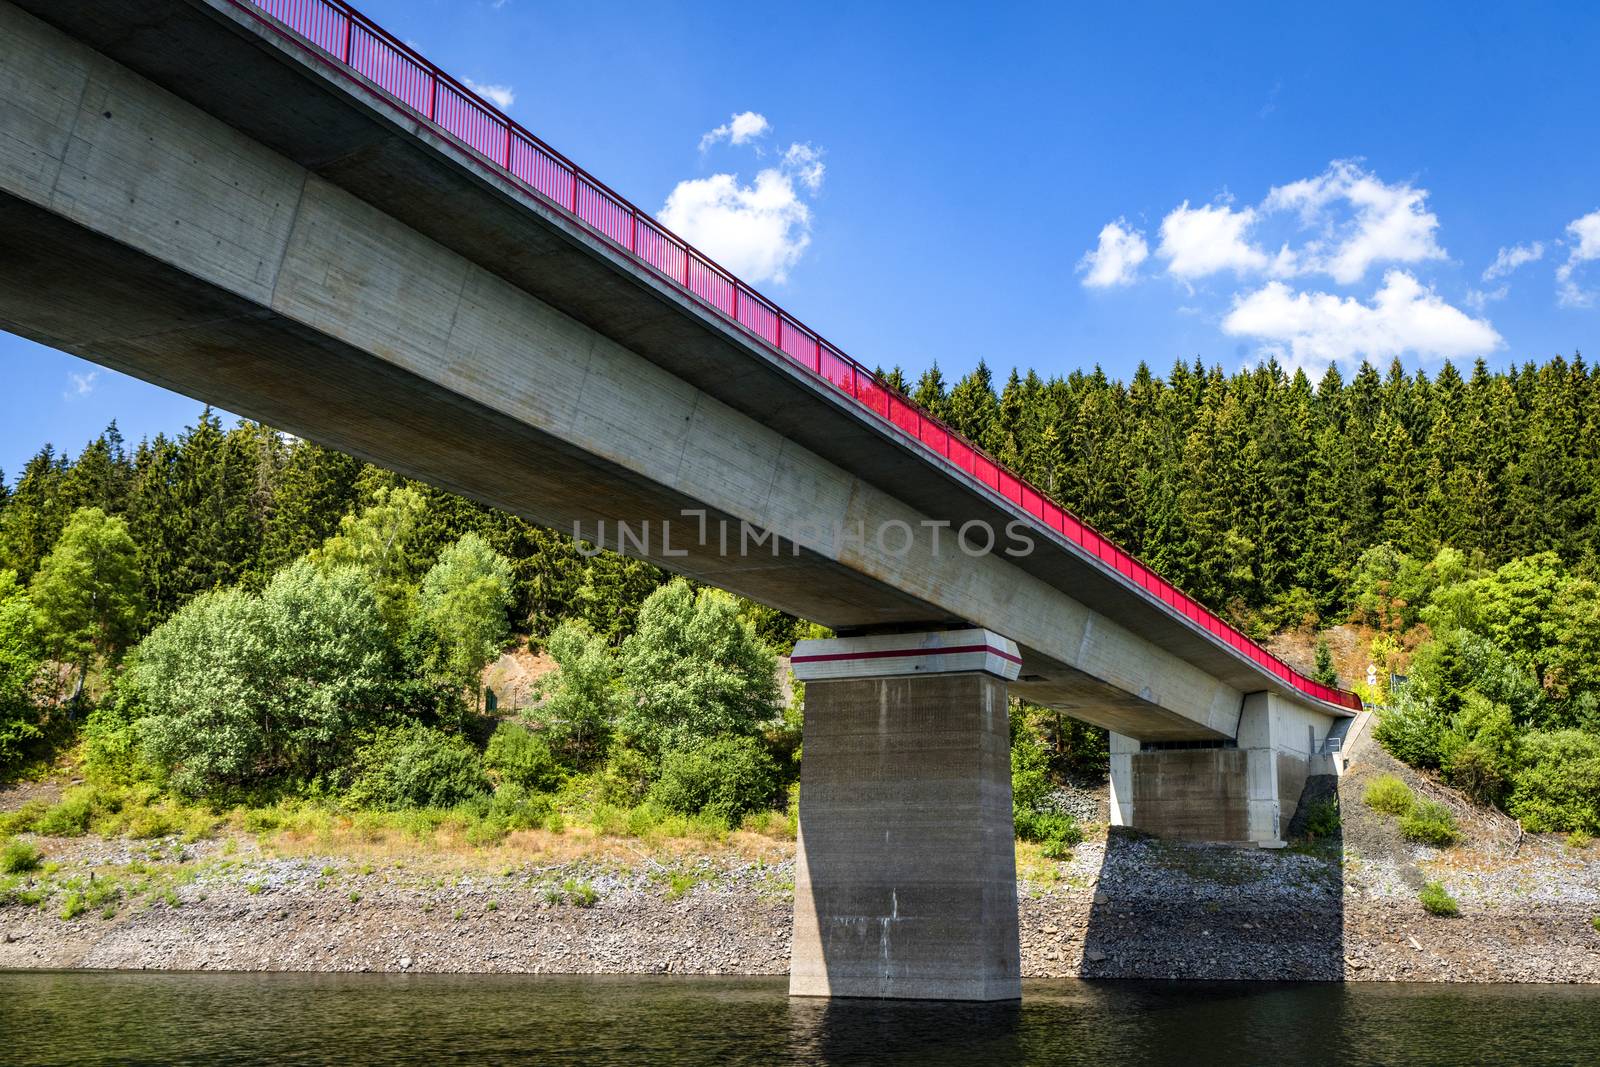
point(81, 384)
point(1356, 221)
point(501, 96)
point(1206, 240)
point(741, 128)
point(1585, 246)
point(1509, 259)
point(1388, 223)
point(1115, 261)
point(760, 230)
point(804, 161)
point(1312, 329)
point(1478, 299)
point(757, 231)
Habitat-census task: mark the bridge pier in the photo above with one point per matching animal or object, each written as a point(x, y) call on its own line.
point(1244, 789)
point(905, 881)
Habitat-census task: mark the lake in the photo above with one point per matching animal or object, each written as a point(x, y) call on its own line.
point(117, 1017)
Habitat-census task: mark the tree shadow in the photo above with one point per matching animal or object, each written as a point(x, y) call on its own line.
point(1170, 909)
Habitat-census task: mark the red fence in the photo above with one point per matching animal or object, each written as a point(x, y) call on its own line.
point(348, 37)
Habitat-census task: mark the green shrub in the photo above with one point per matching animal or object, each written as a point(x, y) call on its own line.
point(19, 857)
point(626, 777)
point(579, 699)
point(1578, 840)
point(70, 816)
point(726, 777)
point(1413, 730)
point(521, 757)
point(1558, 787)
point(74, 906)
point(416, 766)
point(20, 660)
point(112, 753)
point(1431, 824)
point(1389, 794)
point(1323, 820)
point(248, 691)
point(693, 670)
point(1595, 922)
point(1056, 833)
point(1438, 902)
point(580, 892)
point(22, 820)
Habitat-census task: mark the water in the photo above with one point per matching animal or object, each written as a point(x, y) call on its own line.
point(90, 1018)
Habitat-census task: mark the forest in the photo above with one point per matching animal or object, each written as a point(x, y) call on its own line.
point(237, 617)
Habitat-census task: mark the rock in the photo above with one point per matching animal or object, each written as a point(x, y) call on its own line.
point(405, 961)
point(1094, 955)
point(1100, 900)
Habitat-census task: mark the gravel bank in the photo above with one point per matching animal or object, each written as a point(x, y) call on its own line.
point(1119, 907)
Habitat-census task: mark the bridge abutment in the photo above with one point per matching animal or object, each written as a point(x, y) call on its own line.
point(905, 881)
point(1244, 789)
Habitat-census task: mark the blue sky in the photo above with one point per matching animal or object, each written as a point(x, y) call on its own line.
point(1052, 186)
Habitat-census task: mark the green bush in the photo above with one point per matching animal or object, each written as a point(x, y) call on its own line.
point(1323, 820)
point(19, 857)
point(20, 660)
point(1431, 824)
point(416, 766)
point(1056, 833)
point(249, 690)
point(518, 756)
point(111, 750)
point(517, 808)
point(626, 777)
point(1578, 840)
point(71, 815)
point(1558, 787)
point(1413, 730)
point(1389, 794)
point(726, 777)
point(693, 670)
point(1438, 902)
point(1595, 922)
point(579, 699)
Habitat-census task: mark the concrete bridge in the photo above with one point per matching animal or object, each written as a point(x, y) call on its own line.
point(277, 207)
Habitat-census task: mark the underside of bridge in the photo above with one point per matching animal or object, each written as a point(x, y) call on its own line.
point(204, 203)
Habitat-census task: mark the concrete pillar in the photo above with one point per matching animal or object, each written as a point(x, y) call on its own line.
point(905, 881)
point(1123, 750)
point(1245, 789)
point(1255, 740)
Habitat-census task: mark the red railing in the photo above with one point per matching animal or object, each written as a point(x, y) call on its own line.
point(359, 45)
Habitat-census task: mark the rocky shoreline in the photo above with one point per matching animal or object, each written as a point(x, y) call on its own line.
point(1121, 906)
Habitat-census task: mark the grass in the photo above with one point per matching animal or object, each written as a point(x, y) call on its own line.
point(1595, 922)
point(19, 857)
point(74, 906)
point(1390, 795)
point(1435, 901)
point(579, 892)
point(1578, 840)
point(1430, 824)
point(681, 883)
point(573, 824)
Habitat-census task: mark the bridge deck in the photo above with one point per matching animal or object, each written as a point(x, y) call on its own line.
point(611, 267)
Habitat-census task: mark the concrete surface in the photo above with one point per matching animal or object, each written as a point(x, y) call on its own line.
point(1248, 791)
point(905, 872)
